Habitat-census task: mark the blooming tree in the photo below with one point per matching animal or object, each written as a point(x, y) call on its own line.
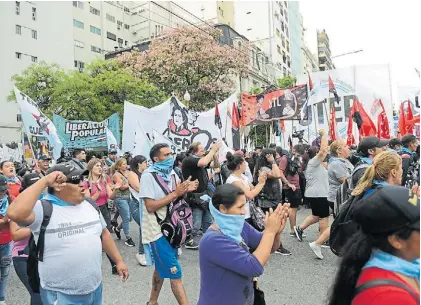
point(192, 59)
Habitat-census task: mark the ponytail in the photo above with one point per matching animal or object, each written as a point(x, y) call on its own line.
point(365, 182)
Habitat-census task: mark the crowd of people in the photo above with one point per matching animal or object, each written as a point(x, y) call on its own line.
point(57, 220)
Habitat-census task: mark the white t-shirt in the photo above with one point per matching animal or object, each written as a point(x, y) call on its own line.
point(149, 188)
point(73, 248)
point(245, 182)
point(317, 181)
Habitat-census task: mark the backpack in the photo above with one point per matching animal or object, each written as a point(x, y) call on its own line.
point(36, 250)
point(292, 165)
point(385, 282)
point(225, 173)
point(177, 226)
point(410, 169)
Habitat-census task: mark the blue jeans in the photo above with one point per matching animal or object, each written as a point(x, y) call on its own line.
point(5, 261)
point(20, 264)
point(135, 214)
point(201, 220)
point(49, 297)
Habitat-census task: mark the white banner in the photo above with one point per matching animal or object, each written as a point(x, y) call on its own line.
point(37, 124)
point(177, 123)
point(141, 144)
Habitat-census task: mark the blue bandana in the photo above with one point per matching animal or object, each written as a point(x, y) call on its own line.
point(57, 201)
point(4, 204)
point(389, 262)
point(369, 161)
point(406, 150)
point(164, 168)
point(375, 183)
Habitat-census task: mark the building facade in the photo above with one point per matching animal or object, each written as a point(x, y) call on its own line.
point(296, 37)
point(323, 49)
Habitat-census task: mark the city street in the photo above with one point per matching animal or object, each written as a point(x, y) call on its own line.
point(299, 279)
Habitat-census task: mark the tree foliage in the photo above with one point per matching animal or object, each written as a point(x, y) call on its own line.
point(192, 59)
point(94, 94)
point(286, 82)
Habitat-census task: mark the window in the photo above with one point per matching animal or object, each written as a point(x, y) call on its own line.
point(120, 42)
point(278, 32)
point(285, 71)
point(96, 50)
point(158, 29)
point(18, 117)
point(80, 65)
point(110, 18)
point(34, 59)
point(282, 12)
point(279, 49)
point(95, 30)
point(18, 55)
point(79, 44)
point(78, 4)
point(78, 24)
point(111, 36)
point(75, 3)
point(18, 29)
point(95, 11)
point(34, 34)
point(126, 9)
point(286, 31)
point(126, 43)
point(34, 13)
point(126, 26)
point(119, 24)
point(17, 8)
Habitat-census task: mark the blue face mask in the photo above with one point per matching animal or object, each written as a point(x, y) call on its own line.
point(164, 168)
point(393, 263)
point(4, 204)
point(230, 225)
point(57, 201)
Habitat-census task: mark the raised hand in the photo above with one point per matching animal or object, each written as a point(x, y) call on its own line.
point(56, 179)
point(263, 177)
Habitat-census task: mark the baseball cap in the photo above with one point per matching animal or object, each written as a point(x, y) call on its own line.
point(370, 143)
point(44, 158)
point(408, 138)
point(29, 179)
point(112, 151)
point(388, 210)
point(394, 142)
point(3, 184)
point(70, 171)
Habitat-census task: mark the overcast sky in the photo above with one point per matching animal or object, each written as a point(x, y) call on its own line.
point(387, 31)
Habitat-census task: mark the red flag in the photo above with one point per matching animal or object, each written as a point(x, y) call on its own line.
point(310, 82)
point(408, 119)
point(332, 90)
point(383, 131)
point(368, 128)
point(235, 128)
point(332, 125)
point(402, 120)
point(218, 121)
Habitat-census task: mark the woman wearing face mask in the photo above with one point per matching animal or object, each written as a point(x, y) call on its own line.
point(8, 170)
point(381, 263)
point(241, 250)
point(138, 165)
point(122, 200)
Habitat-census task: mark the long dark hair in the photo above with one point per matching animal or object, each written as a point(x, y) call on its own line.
point(309, 154)
point(262, 161)
point(359, 248)
point(176, 107)
point(233, 161)
point(134, 162)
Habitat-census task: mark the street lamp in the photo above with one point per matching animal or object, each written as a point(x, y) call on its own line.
point(348, 53)
point(187, 96)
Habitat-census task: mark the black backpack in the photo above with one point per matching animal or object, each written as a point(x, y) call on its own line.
point(410, 169)
point(36, 250)
point(292, 165)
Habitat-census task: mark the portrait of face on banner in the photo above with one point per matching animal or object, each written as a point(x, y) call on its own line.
point(284, 104)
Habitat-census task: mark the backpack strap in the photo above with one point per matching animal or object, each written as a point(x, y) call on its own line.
point(47, 208)
point(164, 188)
point(93, 203)
point(385, 282)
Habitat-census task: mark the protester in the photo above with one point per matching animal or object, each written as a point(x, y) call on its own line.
point(395, 145)
point(7, 169)
point(20, 238)
point(71, 269)
point(339, 169)
point(291, 191)
point(138, 165)
point(5, 237)
point(122, 200)
point(409, 164)
point(317, 188)
point(79, 158)
point(155, 205)
point(387, 248)
point(42, 166)
point(178, 163)
point(368, 148)
point(112, 156)
point(241, 250)
point(194, 166)
point(238, 166)
point(270, 196)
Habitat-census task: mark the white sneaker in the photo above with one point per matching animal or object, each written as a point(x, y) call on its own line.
point(179, 252)
point(317, 249)
point(140, 258)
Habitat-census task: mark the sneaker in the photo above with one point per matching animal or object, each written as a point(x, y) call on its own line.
point(179, 252)
point(114, 270)
point(316, 249)
point(117, 232)
point(283, 251)
point(129, 242)
point(298, 233)
point(192, 245)
point(141, 259)
point(326, 244)
point(292, 234)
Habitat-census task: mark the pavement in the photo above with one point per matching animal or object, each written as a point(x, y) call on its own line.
point(299, 279)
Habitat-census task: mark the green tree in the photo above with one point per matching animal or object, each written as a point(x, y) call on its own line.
point(39, 82)
point(286, 82)
point(255, 90)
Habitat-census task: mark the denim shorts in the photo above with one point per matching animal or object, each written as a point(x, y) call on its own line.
point(49, 297)
point(166, 259)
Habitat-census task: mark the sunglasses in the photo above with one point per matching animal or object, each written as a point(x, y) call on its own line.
point(75, 179)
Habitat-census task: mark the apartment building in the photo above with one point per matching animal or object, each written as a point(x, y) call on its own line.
point(296, 37)
point(324, 54)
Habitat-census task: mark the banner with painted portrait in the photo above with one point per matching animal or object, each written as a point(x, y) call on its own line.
point(283, 104)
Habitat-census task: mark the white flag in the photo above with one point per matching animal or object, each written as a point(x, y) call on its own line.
point(112, 142)
point(142, 145)
point(36, 123)
point(160, 138)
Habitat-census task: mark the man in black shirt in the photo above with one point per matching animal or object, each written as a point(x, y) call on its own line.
point(194, 166)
